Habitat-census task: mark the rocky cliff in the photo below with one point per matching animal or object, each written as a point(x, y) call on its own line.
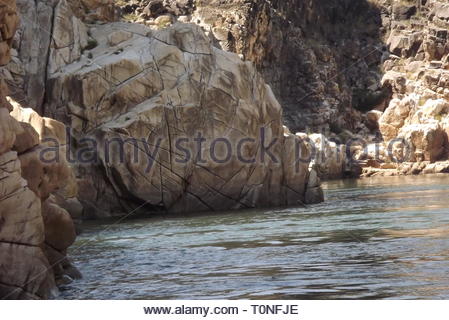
point(337, 65)
point(366, 69)
point(322, 58)
point(145, 97)
point(34, 230)
point(417, 71)
point(414, 126)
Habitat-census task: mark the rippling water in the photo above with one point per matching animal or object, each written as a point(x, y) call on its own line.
point(373, 238)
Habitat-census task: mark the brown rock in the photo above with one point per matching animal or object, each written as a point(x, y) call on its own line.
point(7, 131)
point(372, 119)
point(20, 217)
point(394, 118)
point(27, 139)
point(59, 228)
point(8, 25)
point(25, 272)
point(430, 140)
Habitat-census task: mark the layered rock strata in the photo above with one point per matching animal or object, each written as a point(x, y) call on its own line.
point(415, 125)
point(34, 232)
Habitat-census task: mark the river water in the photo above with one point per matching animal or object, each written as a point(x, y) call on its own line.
point(378, 238)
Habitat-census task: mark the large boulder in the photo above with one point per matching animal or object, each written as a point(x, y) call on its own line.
point(59, 227)
point(393, 119)
point(146, 101)
point(427, 142)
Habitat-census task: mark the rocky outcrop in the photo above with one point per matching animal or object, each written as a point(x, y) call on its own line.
point(9, 21)
point(173, 114)
point(397, 58)
point(30, 219)
point(26, 72)
point(50, 34)
point(147, 98)
point(339, 46)
point(393, 67)
point(416, 70)
point(29, 228)
point(321, 58)
point(111, 80)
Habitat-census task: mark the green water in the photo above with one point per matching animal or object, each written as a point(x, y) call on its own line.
point(379, 238)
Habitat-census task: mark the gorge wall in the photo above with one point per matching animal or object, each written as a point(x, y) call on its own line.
point(35, 230)
point(301, 53)
point(152, 92)
point(319, 56)
point(322, 58)
point(417, 70)
point(337, 65)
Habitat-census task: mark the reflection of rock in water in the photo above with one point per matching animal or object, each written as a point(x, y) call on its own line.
point(440, 232)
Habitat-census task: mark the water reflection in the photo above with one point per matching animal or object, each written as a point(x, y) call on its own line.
point(379, 238)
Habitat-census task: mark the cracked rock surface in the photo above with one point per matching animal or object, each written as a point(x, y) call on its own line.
point(34, 237)
point(156, 91)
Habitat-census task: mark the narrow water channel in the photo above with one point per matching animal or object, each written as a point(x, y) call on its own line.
point(372, 238)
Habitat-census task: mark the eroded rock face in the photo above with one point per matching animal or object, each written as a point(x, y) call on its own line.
point(417, 73)
point(26, 272)
point(397, 59)
point(50, 35)
point(27, 223)
point(9, 21)
point(321, 57)
point(26, 72)
point(157, 93)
